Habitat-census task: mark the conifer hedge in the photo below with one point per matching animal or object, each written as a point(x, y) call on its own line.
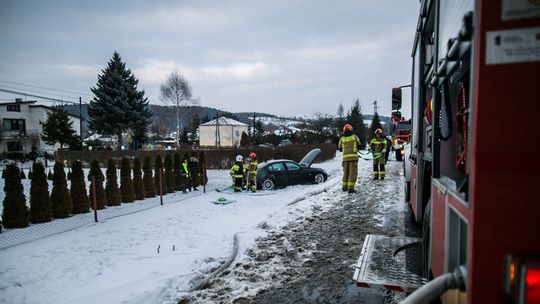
point(101, 196)
point(81, 203)
point(40, 202)
point(111, 188)
point(62, 204)
point(138, 184)
point(149, 188)
point(178, 186)
point(157, 169)
point(126, 184)
point(169, 174)
point(16, 213)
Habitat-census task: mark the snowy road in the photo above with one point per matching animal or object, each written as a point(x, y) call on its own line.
point(309, 260)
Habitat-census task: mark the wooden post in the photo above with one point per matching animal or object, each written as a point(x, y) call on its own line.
point(94, 198)
point(161, 185)
point(204, 177)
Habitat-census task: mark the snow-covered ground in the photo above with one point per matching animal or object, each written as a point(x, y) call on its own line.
point(150, 255)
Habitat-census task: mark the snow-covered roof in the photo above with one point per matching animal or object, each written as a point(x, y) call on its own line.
point(224, 121)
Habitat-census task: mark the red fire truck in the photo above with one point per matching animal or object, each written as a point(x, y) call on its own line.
point(476, 67)
point(401, 132)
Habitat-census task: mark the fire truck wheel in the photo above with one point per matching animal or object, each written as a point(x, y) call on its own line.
point(426, 241)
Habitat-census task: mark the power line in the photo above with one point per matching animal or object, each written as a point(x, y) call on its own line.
point(38, 92)
point(37, 96)
point(51, 89)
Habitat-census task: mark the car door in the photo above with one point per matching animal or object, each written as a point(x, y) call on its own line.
point(280, 173)
point(296, 174)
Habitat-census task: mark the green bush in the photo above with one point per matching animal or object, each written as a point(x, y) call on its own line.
point(81, 203)
point(101, 196)
point(16, 213)
point(111, 188)
point(126, 184)
point(40, 202)
point(158, 169)
point(62, 204)
point(149, 188)
point(138, 184)
point(169, 174)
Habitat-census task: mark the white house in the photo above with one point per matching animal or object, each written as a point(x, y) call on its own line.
point(21, 129)
point(221, 132)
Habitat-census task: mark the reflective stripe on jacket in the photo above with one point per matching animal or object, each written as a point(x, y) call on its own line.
point(378, 145)
point(237, 171)
point(185, 166)
point(252, 168)
point(349, 146)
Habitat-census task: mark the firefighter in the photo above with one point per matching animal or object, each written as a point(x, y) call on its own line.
point(252, 172)
point(237, 173)
point(377, 147)
point(388, 148)
point(193, 168)
point(185, 175)
point(245, 178)
point(348, 144)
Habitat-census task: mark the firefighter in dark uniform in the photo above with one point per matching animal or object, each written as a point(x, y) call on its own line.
point(237, 173)
point(252, 172)
point(348, 144)
point(377, 147)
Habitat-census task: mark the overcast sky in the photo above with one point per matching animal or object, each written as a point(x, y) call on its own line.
point(289, 57)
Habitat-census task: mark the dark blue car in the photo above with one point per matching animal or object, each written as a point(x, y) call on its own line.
point(281, 173)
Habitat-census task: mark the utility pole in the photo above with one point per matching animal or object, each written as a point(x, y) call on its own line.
point(218, 140)
point(81, 122)
point(375, 107)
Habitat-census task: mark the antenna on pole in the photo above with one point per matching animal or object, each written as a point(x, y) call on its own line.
point(375, 107)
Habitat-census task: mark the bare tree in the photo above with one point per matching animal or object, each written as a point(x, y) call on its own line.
point(177, 91)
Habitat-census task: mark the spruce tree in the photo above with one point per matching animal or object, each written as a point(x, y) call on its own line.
point(375, 124)
point(177, 165)
point(81, 203)
point(40, 202)
point(169, 174)
point(101, 196)
point(149, 188)
point(15, 214)
point(202, 168)
point(62, 204)
point(58, 128)
point(111, 188)
point(118, 105)
point(158, 169)
point(356, 120)
point(126, 184)
point(138, 184)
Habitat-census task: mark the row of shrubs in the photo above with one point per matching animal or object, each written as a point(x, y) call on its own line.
point(62, 203)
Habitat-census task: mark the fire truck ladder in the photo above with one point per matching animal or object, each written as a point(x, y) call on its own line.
point(380, 267)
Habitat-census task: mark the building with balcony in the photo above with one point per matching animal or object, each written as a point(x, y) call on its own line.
point(21, 127)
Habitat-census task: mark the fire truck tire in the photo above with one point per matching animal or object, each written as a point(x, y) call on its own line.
point(426, 230)
point(399, 157)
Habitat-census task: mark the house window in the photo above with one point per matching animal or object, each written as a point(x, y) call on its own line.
point(14, 146)
point(14, 125)
point(14, 108)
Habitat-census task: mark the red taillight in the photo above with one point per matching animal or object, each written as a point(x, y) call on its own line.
point(532, 285)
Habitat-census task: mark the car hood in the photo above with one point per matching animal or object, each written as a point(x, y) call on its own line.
point(310, 157)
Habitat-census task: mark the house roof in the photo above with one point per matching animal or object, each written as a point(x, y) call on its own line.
point(224, 121)
point(52, 109)
point(17, 102)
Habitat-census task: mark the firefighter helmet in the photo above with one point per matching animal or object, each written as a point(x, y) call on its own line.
point(239, 158)
point(252, 155)
point(347, 127)
point(379, 131)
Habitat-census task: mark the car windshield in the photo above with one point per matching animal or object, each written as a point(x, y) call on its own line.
point(276, 167)
point(292, 166)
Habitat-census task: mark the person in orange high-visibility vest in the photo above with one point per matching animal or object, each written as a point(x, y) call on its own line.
point(348, 144)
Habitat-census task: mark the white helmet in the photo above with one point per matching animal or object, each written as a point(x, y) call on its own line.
point(239, 158)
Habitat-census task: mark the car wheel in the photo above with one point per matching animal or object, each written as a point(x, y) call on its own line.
point(319, 178)
point(268, 184)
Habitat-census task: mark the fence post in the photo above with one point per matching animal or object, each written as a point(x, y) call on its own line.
point(204, 177)
point(161, 185)
point(94, 203)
